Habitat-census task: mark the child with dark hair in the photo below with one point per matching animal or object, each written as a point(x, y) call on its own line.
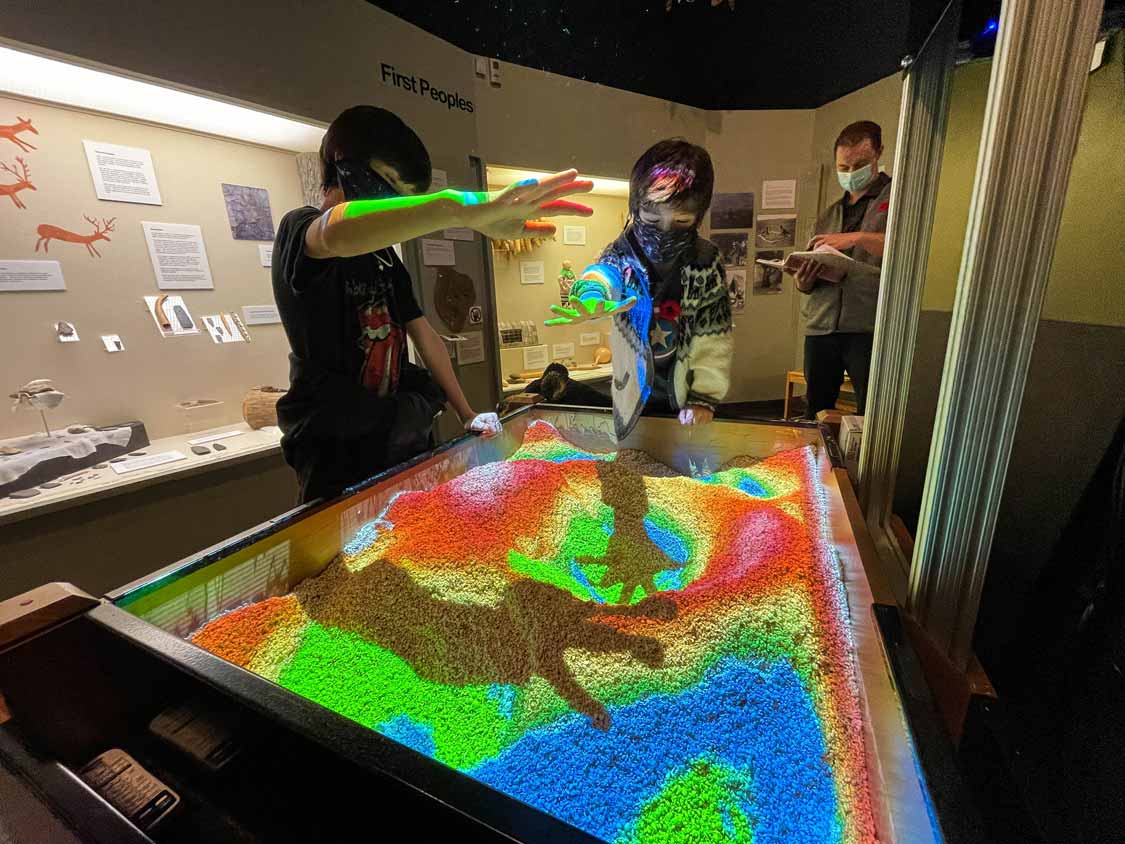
point(665, 288)
point(355, 404)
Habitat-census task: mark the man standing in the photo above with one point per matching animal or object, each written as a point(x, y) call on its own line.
point(840, 317)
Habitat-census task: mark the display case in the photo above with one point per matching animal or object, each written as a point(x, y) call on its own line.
point(101, 679)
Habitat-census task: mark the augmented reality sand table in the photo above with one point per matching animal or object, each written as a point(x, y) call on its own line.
point(651, 659)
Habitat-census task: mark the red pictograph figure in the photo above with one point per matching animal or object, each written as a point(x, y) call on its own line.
point(23, 182)
point(10, 131)
point(48, 233)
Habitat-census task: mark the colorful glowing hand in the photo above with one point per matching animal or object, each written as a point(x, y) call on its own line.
point(513, 212)
point(588, 307)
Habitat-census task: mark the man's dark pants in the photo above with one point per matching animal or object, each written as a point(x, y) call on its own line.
point(827, 357)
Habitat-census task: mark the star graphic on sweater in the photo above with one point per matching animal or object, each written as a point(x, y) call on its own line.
point(660, 336)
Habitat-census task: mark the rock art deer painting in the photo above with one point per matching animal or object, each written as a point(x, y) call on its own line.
point(23, 182)
point(48, 233)
point(10, 131)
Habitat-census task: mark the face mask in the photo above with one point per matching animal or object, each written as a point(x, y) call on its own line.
point(359, 181)
point(856, 180)
point(664, 246)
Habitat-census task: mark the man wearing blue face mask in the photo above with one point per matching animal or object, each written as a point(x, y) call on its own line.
point(839, 316)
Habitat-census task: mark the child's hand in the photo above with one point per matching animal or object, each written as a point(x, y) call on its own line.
point(515, 212)
point(591, 306)
point(696, 414)
point(485, 424)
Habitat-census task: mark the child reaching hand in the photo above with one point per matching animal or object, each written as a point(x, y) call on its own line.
point(665, 288)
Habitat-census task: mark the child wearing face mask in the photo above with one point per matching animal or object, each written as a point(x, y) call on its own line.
point(665, 288)
point(356, 405)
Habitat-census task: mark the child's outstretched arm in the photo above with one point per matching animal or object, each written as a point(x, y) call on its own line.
point(366, 225)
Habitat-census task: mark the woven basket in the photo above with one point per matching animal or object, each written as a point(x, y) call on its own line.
point(259, 406)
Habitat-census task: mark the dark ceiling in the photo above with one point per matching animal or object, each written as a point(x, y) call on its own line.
point(760, 54)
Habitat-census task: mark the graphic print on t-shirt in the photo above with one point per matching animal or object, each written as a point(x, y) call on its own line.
point(381, 338)
point(381, 341)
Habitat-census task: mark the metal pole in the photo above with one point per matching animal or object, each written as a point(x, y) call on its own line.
point(1031, 124)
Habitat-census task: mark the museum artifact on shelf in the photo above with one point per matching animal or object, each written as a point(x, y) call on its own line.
point(38, 460)
point(40, 395)
point(259, 406)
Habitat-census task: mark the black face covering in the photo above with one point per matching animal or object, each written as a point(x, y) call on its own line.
point(664, 247)
point(359, 181)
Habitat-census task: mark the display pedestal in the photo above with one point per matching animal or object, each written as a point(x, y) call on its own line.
point(42, 459)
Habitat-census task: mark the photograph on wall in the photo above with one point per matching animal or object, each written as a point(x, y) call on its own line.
point(775, 230)
point(248, 210)
point(732, 211)
point(767, 279)
point(736, 286)
point(732, 248)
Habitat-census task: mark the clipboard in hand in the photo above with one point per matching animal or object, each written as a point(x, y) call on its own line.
point(836, 264)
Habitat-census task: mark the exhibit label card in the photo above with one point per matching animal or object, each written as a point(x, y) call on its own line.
point(535, 357)
point(438, 253)
point(574, 235)
point(265, 254)
point(459, 234)
point(779, 193)
point(135, 464)
point(122, 174)
point(471, 349)
point(178, 255)
point(261, 314)
point(18, 276)
point(532, 272)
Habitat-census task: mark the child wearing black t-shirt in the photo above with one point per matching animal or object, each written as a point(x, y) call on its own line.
point(355, 404)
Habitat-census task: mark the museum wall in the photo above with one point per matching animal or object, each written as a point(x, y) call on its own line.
point(105, 295)
point(543, 121)
point(749, 147)
point(1073, 399)
point(534, 119)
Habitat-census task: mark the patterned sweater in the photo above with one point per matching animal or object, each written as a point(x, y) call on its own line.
point(705, 347)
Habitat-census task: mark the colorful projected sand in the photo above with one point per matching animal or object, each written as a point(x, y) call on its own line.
point(657, 660)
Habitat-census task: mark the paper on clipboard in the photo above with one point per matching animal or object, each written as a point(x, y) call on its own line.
point(837, 261)
point(836, 264)
point(792, 264)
